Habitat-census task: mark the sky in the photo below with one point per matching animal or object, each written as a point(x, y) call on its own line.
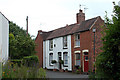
point(47, 15)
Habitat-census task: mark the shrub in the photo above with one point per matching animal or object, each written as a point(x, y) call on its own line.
point(61, 61)
point(22, 71)
point(16, 61)
point(53, 61)
point(30, 61)
point(77, 71)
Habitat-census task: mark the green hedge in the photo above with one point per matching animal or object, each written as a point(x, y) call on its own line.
point(16, 61)
point(30, 61)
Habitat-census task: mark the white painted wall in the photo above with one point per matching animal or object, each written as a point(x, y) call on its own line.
point(59, 48)
point(4, 38)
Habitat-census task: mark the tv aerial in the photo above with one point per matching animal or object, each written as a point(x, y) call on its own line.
point(80, 6)
point(85, 8)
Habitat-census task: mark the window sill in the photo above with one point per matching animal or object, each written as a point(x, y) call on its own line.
point(51, 65)
point(50, 49)
point(65, 48)
point(76, 46)
point(65, 65)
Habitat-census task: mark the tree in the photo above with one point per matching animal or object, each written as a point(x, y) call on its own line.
point(108, 62)
point(20, 45)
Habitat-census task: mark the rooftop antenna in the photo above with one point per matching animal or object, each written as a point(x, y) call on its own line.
point(81, 6)
point(85, 9)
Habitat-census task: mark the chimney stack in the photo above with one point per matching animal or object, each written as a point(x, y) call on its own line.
point(80, 16)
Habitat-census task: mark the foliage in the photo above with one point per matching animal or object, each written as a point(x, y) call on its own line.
point(20, 44)
point(22, 72)
point(77, 71)
point(61, 61)
point(16, 61)
point(107, 62)
point(16, 30)
point(53, 61)
point(30, 60)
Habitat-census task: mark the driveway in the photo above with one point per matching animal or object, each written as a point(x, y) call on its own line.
point(69, 75)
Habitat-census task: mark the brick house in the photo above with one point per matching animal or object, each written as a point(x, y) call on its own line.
point(74, 44)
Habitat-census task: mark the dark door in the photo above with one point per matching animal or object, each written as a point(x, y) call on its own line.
point(59, 58)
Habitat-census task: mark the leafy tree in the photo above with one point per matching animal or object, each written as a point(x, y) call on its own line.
point(108, 62)
point(20, 45)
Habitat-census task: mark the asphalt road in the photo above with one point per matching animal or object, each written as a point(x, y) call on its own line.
point(65, 75)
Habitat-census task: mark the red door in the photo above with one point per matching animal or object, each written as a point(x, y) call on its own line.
point(85, 62)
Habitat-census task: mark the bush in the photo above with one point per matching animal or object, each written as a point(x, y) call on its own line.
point(61, 61)
point(16, 61)
point(53, 61)
point(22, 71)
point(77, 71)
point(30, 61)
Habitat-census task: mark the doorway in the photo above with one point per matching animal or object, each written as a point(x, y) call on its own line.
point(59, 58)
point(85, 61)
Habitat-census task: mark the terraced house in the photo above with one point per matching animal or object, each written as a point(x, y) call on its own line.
point(76, 44)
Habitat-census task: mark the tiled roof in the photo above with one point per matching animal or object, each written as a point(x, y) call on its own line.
point(69, 29)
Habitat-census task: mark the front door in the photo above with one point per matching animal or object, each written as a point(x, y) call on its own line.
point(85, 61)
point(59, 58)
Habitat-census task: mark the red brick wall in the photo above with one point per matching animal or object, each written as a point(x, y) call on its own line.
point(87, 42)
point(98, 36)
point(39, 48)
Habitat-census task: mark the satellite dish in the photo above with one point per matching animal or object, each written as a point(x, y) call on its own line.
point(119, 3)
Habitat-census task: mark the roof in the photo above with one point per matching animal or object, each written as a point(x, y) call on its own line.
point(4, 16)
point(69, 29)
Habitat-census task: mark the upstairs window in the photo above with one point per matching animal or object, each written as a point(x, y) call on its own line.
point(50, 58)
point(50, 45)
point(65, 58)
point(65, 42)
point(77, 40)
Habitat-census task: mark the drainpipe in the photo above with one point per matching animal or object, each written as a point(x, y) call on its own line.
point(94, 30)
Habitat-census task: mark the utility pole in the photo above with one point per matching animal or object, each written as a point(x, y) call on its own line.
point(27, 25)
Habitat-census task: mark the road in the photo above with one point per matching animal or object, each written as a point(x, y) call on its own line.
point(65, 75)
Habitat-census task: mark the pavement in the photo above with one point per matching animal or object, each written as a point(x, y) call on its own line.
point(65, 75)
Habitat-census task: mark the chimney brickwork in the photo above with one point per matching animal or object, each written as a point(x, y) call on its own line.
point(80, 16)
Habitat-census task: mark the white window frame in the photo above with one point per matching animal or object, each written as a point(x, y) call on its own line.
point(50, 60)
point(77, 59)
point(65, 55)
point(65, 45)
point(77, 40)
point(51, 44)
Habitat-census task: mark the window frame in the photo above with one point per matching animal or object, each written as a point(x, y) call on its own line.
point(50, 60)
point(65, 41)
point(77, 39)
point(51, 44)
point(64, 55)
point(77, 59)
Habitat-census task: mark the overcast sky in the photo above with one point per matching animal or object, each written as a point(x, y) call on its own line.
point(47, 15)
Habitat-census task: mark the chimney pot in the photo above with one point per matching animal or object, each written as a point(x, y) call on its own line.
point(40, 31)
point(66, 25)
